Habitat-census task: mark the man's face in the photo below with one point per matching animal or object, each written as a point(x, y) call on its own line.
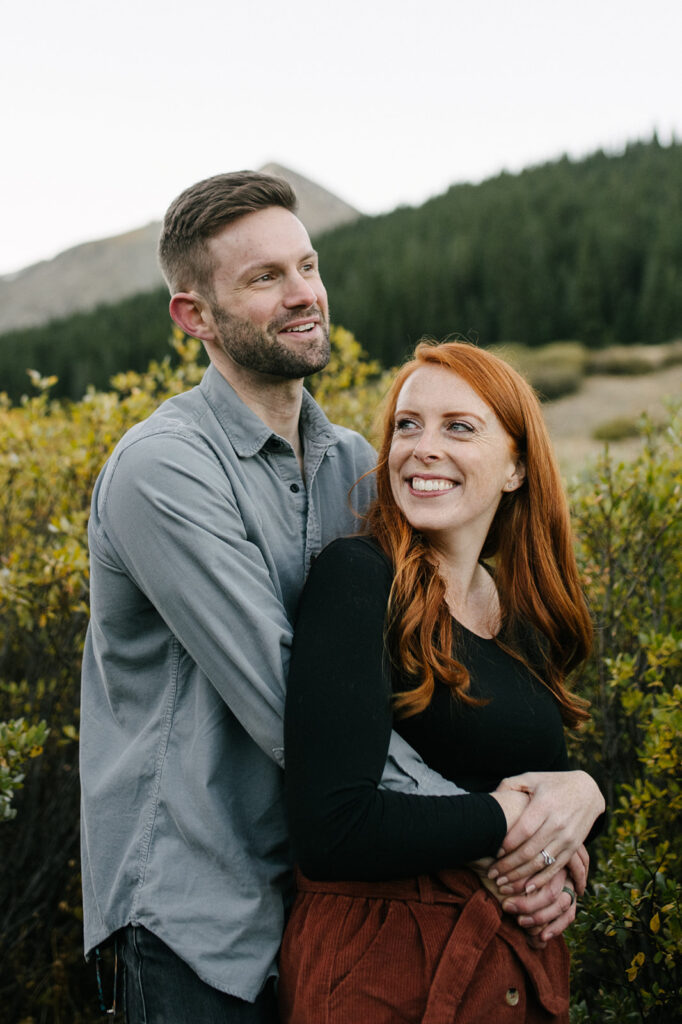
point(269, 305)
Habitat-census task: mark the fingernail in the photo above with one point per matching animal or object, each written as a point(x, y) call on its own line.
point(500, 852)
point(506, 890)
point(510, 907)
point(526, 922)
point(493, 873)
point(501, 881)
point(548, 936)
point(529, 889)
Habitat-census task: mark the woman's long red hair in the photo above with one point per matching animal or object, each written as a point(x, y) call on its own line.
point(530, 540)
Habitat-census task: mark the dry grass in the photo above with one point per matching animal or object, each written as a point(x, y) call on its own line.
point(572, 419)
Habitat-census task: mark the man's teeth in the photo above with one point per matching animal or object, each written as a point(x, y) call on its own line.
point(301, 328)
point(419, 484)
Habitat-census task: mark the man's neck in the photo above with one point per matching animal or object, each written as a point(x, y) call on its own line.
point(275, 400)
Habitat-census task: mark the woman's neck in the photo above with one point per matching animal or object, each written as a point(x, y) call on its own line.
point(470, 590)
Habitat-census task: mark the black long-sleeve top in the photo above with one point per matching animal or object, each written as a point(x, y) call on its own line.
point(339, 718)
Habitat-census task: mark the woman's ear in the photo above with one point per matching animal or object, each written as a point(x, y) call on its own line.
point(517, 477)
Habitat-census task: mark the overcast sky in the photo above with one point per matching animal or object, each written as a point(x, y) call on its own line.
point(110, 109)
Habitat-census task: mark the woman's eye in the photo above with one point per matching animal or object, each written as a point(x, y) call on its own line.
point(460, 427)
point(404, 424)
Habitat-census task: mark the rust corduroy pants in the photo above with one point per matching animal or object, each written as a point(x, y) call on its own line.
point(429, 950)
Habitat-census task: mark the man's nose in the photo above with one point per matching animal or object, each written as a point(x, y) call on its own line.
point(299, 292)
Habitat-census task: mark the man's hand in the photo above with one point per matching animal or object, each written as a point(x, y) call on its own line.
point(562, 809)
point(547, 912)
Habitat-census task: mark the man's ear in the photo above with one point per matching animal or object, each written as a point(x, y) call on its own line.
point(189, 312)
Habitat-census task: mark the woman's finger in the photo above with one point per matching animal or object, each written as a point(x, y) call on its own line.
point(543, 856)
point(562, 808)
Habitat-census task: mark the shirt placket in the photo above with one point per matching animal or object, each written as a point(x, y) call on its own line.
point(292, 480)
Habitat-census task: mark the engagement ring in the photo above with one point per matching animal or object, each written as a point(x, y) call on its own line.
point(547, 857)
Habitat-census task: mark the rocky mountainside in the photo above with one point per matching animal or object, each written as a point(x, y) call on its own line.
point(115, 268)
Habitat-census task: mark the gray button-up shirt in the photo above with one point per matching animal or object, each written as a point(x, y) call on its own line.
point(201, 534)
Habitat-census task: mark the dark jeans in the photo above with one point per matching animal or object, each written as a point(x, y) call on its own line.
point(160, 988)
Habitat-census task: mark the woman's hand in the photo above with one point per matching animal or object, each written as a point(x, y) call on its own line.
point(563, 807)
point(513, 801)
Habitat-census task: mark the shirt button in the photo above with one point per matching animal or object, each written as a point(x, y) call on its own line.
point(512, 996)
point(294, 488)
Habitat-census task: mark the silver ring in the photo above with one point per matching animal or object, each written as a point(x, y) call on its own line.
point(547, 857)
point(571, 892)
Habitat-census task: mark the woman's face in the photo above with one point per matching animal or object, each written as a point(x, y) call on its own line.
point(450, 459)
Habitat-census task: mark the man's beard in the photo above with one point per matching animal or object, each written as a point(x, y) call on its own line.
point(262, 351)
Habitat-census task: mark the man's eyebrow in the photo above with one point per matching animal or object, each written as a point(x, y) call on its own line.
point(265, 264)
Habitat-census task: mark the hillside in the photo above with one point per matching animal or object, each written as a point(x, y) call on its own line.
point(588, 250)
point(110, 269)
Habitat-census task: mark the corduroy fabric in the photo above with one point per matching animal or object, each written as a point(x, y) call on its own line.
point(430, 950)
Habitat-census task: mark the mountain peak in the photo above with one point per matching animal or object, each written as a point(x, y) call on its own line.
point(319, 209)
point(109, 269)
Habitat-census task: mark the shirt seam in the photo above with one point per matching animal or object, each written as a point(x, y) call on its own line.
point(148, 831)
point(116, 457)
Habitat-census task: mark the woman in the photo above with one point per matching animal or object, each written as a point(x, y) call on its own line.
point(410, 627)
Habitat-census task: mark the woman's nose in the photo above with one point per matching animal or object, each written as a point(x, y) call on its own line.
point(426, 449)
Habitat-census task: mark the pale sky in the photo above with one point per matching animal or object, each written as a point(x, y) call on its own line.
point(111, 109)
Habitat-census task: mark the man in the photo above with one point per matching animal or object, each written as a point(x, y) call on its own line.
point(204, 523)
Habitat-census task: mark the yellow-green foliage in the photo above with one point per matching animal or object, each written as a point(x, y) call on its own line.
point(627, 942)
point(19, 741)
point(627, 945)
point(351, 388)
point(50, 454)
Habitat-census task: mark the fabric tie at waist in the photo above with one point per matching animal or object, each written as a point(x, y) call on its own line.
point(479, 921)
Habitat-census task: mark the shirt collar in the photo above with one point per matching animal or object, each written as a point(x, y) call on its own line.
point(246, 431)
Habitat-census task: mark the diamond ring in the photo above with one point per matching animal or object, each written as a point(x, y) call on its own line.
point(547, 857)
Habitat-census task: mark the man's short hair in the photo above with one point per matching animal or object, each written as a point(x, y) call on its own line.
point(201, 211)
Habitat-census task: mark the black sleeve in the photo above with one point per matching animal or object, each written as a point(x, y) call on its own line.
point(337, 727)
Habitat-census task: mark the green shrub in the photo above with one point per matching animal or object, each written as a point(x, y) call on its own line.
point(627, 943)
point(50, 454)
point(19, 741)
point(672, 353)
point(553, 370)
point(619, 429)
point(625, 360)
